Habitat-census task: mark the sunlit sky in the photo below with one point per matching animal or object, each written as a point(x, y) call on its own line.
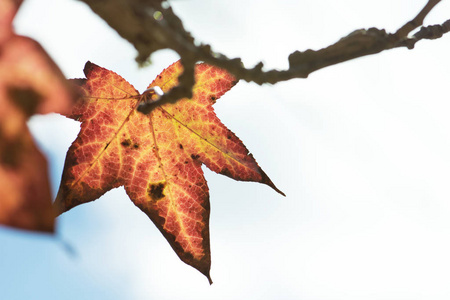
point(362, 151)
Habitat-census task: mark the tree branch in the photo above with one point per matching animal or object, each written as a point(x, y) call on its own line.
point(418, 20)
point(427, 33)
point(150, 26)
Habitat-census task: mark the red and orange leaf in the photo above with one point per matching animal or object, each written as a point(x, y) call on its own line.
point(30, 83)
point(25, 199)
point(156, 157)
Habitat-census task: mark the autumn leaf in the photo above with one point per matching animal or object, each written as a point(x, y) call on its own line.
point(156, 157)
point(30, 83)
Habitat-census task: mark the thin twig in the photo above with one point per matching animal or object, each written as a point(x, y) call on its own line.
point(417, 21)
point(135, 21)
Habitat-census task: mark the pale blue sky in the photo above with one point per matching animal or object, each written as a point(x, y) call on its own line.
point(362, 151)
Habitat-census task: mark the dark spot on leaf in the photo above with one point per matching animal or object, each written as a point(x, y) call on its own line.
point(155, 191)
point(136, 146)
point(11, 153)
point(195, 156)
point(181, 146)
point(106, 146)
point(126, 143)
point(186, 162)
point(229, 137)
point(159, 76)
point(25, 98)
point(212, 98)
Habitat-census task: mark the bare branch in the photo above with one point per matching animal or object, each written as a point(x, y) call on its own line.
point(417, 21)
point(427, 33)
point(136, 21)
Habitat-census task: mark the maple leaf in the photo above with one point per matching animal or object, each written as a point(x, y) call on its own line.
point(156, 157)
point(29, 83)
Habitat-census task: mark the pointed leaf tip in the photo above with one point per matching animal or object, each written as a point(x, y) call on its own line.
point(88, 66)
point(266, 180)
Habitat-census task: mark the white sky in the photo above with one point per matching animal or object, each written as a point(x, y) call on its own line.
point(362, 151)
